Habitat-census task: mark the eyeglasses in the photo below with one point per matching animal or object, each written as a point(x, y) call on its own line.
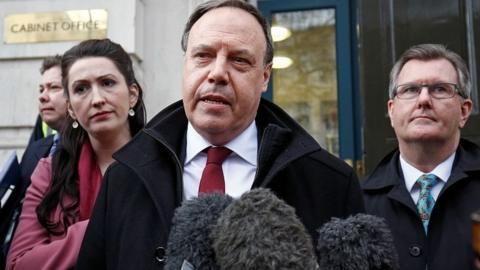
point(437, 90)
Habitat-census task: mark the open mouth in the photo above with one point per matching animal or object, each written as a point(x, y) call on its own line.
point(214, 100)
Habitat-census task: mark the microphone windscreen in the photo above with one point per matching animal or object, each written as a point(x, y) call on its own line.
point(189, 236)
point(360, 242)
point(260, 231)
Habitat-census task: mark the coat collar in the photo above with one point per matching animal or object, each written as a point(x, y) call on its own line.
point(386, 174)
point(389, 177)
point(156, 154)
point(467, 161)
point(281, 140)
point(167, 128)
point(42, 147)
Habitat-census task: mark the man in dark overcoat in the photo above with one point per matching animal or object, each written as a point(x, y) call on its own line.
point(428, 187)
point(227, 65)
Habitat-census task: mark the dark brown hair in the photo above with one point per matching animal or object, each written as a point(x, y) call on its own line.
point(64, 183)
point(50, 62)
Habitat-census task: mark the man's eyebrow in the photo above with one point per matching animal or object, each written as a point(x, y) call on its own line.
point(242, 52)
point(201, 47)
point(45, 84)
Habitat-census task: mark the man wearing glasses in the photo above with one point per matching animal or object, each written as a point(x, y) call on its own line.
point(429, 186)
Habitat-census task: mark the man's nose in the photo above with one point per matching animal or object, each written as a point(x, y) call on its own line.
point(424, 95)
point(44, 97)
point(219, 72)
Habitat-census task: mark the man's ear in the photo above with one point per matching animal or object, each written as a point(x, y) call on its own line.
point(390, 108)
point(266, 77)
point(466, 110)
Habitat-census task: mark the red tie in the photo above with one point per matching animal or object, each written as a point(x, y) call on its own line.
point(212, 176)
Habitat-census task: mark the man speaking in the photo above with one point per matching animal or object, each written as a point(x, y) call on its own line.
point(221, 138)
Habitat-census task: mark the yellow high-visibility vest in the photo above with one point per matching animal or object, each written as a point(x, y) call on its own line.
point(46, 130)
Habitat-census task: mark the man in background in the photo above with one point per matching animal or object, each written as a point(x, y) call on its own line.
point(52, 111)
point(429, 186)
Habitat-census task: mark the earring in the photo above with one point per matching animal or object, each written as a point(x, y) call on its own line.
point(75, 124)
point(131, 112)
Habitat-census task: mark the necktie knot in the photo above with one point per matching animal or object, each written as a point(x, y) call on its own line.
point(212, 177)
point(217, 155)
point(427, 181)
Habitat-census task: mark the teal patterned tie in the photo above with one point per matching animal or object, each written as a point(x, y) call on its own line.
point(426, 202)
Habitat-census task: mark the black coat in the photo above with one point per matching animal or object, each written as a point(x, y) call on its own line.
point(132, 217)
point(33, 153)
point(449, 241)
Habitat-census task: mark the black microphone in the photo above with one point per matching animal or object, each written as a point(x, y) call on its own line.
point(260, 231)
point(360, 242)
point(189, 245)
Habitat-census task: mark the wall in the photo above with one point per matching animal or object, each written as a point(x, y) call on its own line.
point(150, 30)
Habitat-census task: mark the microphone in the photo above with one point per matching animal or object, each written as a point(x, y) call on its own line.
point(360, 242)
point(189, 245)
point(260, 231)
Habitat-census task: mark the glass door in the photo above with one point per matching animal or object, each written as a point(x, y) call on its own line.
point(304, 71)
point(312, 76)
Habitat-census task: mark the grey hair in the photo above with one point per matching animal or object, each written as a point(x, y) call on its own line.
point(202, 9)
point(425, 52)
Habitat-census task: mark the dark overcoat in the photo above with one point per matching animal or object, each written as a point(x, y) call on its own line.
point(448, 244)
point(131, 221)
point(33, 153)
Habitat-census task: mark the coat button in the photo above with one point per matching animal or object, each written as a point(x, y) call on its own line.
point(415, 251)
point(160, 254)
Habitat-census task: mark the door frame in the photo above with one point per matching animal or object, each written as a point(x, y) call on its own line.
point(348, 100)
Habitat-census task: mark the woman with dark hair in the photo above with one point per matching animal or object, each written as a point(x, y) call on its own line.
point(105, 110)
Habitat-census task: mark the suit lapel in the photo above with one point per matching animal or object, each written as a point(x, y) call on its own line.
point(465, 163)
point(43, 147)
point(389, 174)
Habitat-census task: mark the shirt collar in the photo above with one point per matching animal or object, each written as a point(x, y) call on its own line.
point(411, 174)
point(56, 137)
point(244, 145)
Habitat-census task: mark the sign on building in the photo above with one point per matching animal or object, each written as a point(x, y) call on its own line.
point(55, 26)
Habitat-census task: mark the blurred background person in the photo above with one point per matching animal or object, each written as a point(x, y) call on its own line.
point(52, 112)
point(52, 102)
point(52, 108)
point(105, 109)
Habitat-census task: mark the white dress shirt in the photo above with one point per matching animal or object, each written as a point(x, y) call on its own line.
point(238, 169)
point(411, 174)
